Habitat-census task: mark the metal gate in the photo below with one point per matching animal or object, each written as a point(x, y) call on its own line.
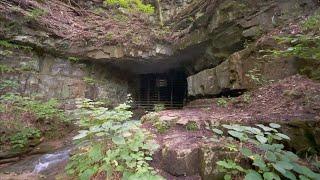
point(169, 89)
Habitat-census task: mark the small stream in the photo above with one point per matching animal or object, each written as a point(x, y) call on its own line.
point(46, 164)
point(49, 161)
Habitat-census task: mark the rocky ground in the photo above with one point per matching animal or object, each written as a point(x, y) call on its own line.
point(292, 102)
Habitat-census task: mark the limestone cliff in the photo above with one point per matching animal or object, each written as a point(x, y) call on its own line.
point(225, 35)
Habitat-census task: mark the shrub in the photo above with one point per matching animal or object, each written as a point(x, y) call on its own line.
point(159, 107)
point(268, 157)
point(20, 139)
point(119, 145)
point(222, 102)
point(192, 126)
point(42, 110)
point(161, 126)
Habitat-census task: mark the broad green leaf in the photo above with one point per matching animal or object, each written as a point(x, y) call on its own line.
point(227, 177)
point(266, 128)
point(302, 177)
point(270, 156)
point(289, 175)
point(285, 165)
point(274, 125)
point(305, 171)
point(246, 152)
point(283, 136)
point(270, 176)
point(235, 127)
point(279, 168)
point(241, 136)
point(261, 139)
point(82, 134)
point(87, 174)
point(217, 131)
point(259, 163)
point(290, 156)
point(253, 130)
point(253, 175)
point(118, 140)
point(95, 153)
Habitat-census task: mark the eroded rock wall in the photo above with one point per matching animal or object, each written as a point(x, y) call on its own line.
point(47, 76)
point(235, 32)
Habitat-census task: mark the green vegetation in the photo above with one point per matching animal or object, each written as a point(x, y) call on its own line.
point(131, 5)
point(246, 98)
point(256, 76)
point(36, 13)
point(161, 126)
point(159, 107)
point(5, 69)
point(8, 84)
point(42, 110)
point(9, 45)
point(192, 126)
point(26, 120)
point(73, 59)
point(21, 139)
point(117, 147)
point(305, 45)
point(268, 158)
point(222, 102)
point(89, 80)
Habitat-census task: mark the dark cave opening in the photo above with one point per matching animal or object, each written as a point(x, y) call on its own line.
point(168, 89)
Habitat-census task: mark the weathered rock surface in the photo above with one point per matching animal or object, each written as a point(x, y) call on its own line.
point(293, 103)
point(180, 154)
point(227, 25)
point(60, 78)
point(245, 69)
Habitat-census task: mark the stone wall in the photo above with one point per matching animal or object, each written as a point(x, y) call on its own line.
point(54, 77)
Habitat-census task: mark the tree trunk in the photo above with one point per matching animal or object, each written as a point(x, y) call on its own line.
point(159, 12)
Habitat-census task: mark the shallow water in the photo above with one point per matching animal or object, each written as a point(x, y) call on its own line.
point(49, 161)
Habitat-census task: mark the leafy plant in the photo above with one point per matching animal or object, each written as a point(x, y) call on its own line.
point(269, 159)
point(222, 102)
point(246, 97)
point(9, 45)
point(73, 59)
point(159, 107)
point(28, 66)
point(6, 69)
point(42, 110)
point(312, 23)
point(256, 76)
point(4, 84)
point(131, 4)
point(89, 80)
point(36, 13)
point(192, 126)
point(20, 140)
point(161, 126)
point(120, 146)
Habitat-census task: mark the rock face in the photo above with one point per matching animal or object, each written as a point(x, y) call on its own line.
point(228, 25)
point(241, 70)
point(60, 78)
point(178, 157)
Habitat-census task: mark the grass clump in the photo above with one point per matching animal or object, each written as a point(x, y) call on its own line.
point(135, 5)
point(192, 126)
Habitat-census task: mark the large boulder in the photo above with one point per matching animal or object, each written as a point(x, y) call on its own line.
point(246, 69)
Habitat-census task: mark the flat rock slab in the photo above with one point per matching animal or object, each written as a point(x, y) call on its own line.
point(180, 154)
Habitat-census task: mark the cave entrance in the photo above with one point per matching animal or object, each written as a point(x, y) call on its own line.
point(168, 89)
